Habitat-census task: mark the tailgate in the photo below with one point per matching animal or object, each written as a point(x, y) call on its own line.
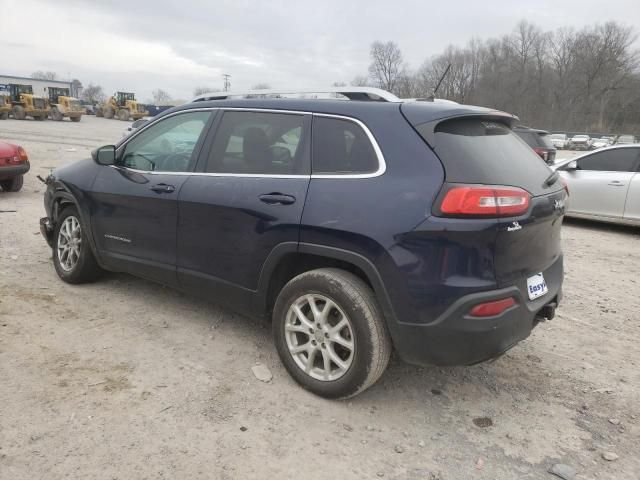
point(530, 245)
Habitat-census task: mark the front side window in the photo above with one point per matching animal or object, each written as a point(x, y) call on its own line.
point(621, 160)
point(341, 147)
point(167, 146)
point(259, 143)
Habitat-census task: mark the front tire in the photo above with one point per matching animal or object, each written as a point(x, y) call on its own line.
point(124, 114)
point(19, 112)
point(73, 258)
point(13, 184)
point(330, 333)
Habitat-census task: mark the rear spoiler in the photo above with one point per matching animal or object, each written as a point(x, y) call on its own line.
point(429, 119)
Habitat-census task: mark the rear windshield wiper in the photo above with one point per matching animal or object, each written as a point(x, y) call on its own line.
point(551, 179)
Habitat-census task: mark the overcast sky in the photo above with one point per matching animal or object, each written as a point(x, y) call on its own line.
point(141, 45)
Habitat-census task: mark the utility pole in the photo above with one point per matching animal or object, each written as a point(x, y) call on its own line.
point(227, 82)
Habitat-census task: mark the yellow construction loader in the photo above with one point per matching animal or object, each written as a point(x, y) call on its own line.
point(25, 104)
point(64, 105)
point(123, 106)
point(5, 105)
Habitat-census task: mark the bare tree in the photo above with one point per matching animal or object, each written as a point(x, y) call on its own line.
point(386, 64)
point(567, 80)
point(93, 94)
point(200, 90)
point(42, 75)
point(160, 96)
point(339, 84)
point(361, 81)
point(261, 86)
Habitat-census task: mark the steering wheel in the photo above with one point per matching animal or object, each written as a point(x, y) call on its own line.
point(177, 162)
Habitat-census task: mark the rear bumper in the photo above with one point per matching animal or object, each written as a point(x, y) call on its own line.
point(455, 338)
point(14, 170)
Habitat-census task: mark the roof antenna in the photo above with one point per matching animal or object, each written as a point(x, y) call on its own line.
point(432, 97)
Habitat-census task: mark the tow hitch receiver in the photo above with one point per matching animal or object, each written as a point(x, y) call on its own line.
point(547, 312)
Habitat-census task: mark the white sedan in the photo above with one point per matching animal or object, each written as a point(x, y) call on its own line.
point(604, 185)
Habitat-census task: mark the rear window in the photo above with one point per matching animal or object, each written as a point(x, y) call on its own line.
point(474, 150)
point(545, 141)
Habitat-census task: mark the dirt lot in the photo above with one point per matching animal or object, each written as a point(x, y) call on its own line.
point(124, 379)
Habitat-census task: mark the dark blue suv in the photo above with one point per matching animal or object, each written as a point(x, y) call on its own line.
point(358, 226)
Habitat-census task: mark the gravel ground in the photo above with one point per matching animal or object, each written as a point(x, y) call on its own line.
point(125, 379)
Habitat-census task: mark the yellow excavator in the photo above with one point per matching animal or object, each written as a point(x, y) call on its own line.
point(64, 105)
point(26, 104)
point(123, 106)
point(5, 104)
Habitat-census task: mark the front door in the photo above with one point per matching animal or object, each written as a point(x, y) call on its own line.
point(600, 184)
point(135, 209)
point(245, 199)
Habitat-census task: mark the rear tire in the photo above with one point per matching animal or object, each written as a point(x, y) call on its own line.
point(19, 113)
point(124, 114)
point(13, 184)
point(73, 258)
point(76, 119)
point(108, 112)
point(98, 112)
point(346, 361)
point(4, 116)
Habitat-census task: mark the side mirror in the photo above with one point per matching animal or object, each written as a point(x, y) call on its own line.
point(573, 165)
point(104, 155)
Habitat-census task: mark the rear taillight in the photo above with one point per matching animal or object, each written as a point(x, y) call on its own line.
point(22, 154)
point(544, 154)
point(485, 201)
point(491, 309)
point(565, 185)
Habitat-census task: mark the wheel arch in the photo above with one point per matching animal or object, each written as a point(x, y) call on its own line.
point(290, 259)
point(63, 198)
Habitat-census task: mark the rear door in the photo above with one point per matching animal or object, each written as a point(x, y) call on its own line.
point(134, 207)
point(245, 200)
point(632, 205)
point(600, 184)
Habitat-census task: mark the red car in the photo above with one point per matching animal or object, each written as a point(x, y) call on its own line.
point(14, 163)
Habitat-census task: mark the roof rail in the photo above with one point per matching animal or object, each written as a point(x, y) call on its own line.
point(352, 93)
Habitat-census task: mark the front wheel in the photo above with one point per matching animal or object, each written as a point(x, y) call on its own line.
point(330, 333)
point(72, 255)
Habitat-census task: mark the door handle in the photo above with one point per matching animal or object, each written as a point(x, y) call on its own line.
point(277, 199)
point(163, 188)
point(616, 183)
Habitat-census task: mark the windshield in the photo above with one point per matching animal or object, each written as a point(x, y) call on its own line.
point(582, 137)
point(558, 136)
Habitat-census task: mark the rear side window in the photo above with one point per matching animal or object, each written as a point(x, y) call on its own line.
point(479, 151)
point(259, 143)
point(341, 147)
point(621, 160)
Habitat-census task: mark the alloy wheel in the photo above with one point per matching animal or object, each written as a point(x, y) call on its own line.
point(319, 337)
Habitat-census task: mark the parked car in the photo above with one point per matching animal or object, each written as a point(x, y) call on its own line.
point(626, 140)
point(357, 226)
point(581, 142)
point(605, 184)
point(135, 125)
point(601, 142)
point(559, 140)
point(14, 163)
point(539, 141)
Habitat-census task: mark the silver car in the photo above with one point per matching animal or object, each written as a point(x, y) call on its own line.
point(604, 185)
